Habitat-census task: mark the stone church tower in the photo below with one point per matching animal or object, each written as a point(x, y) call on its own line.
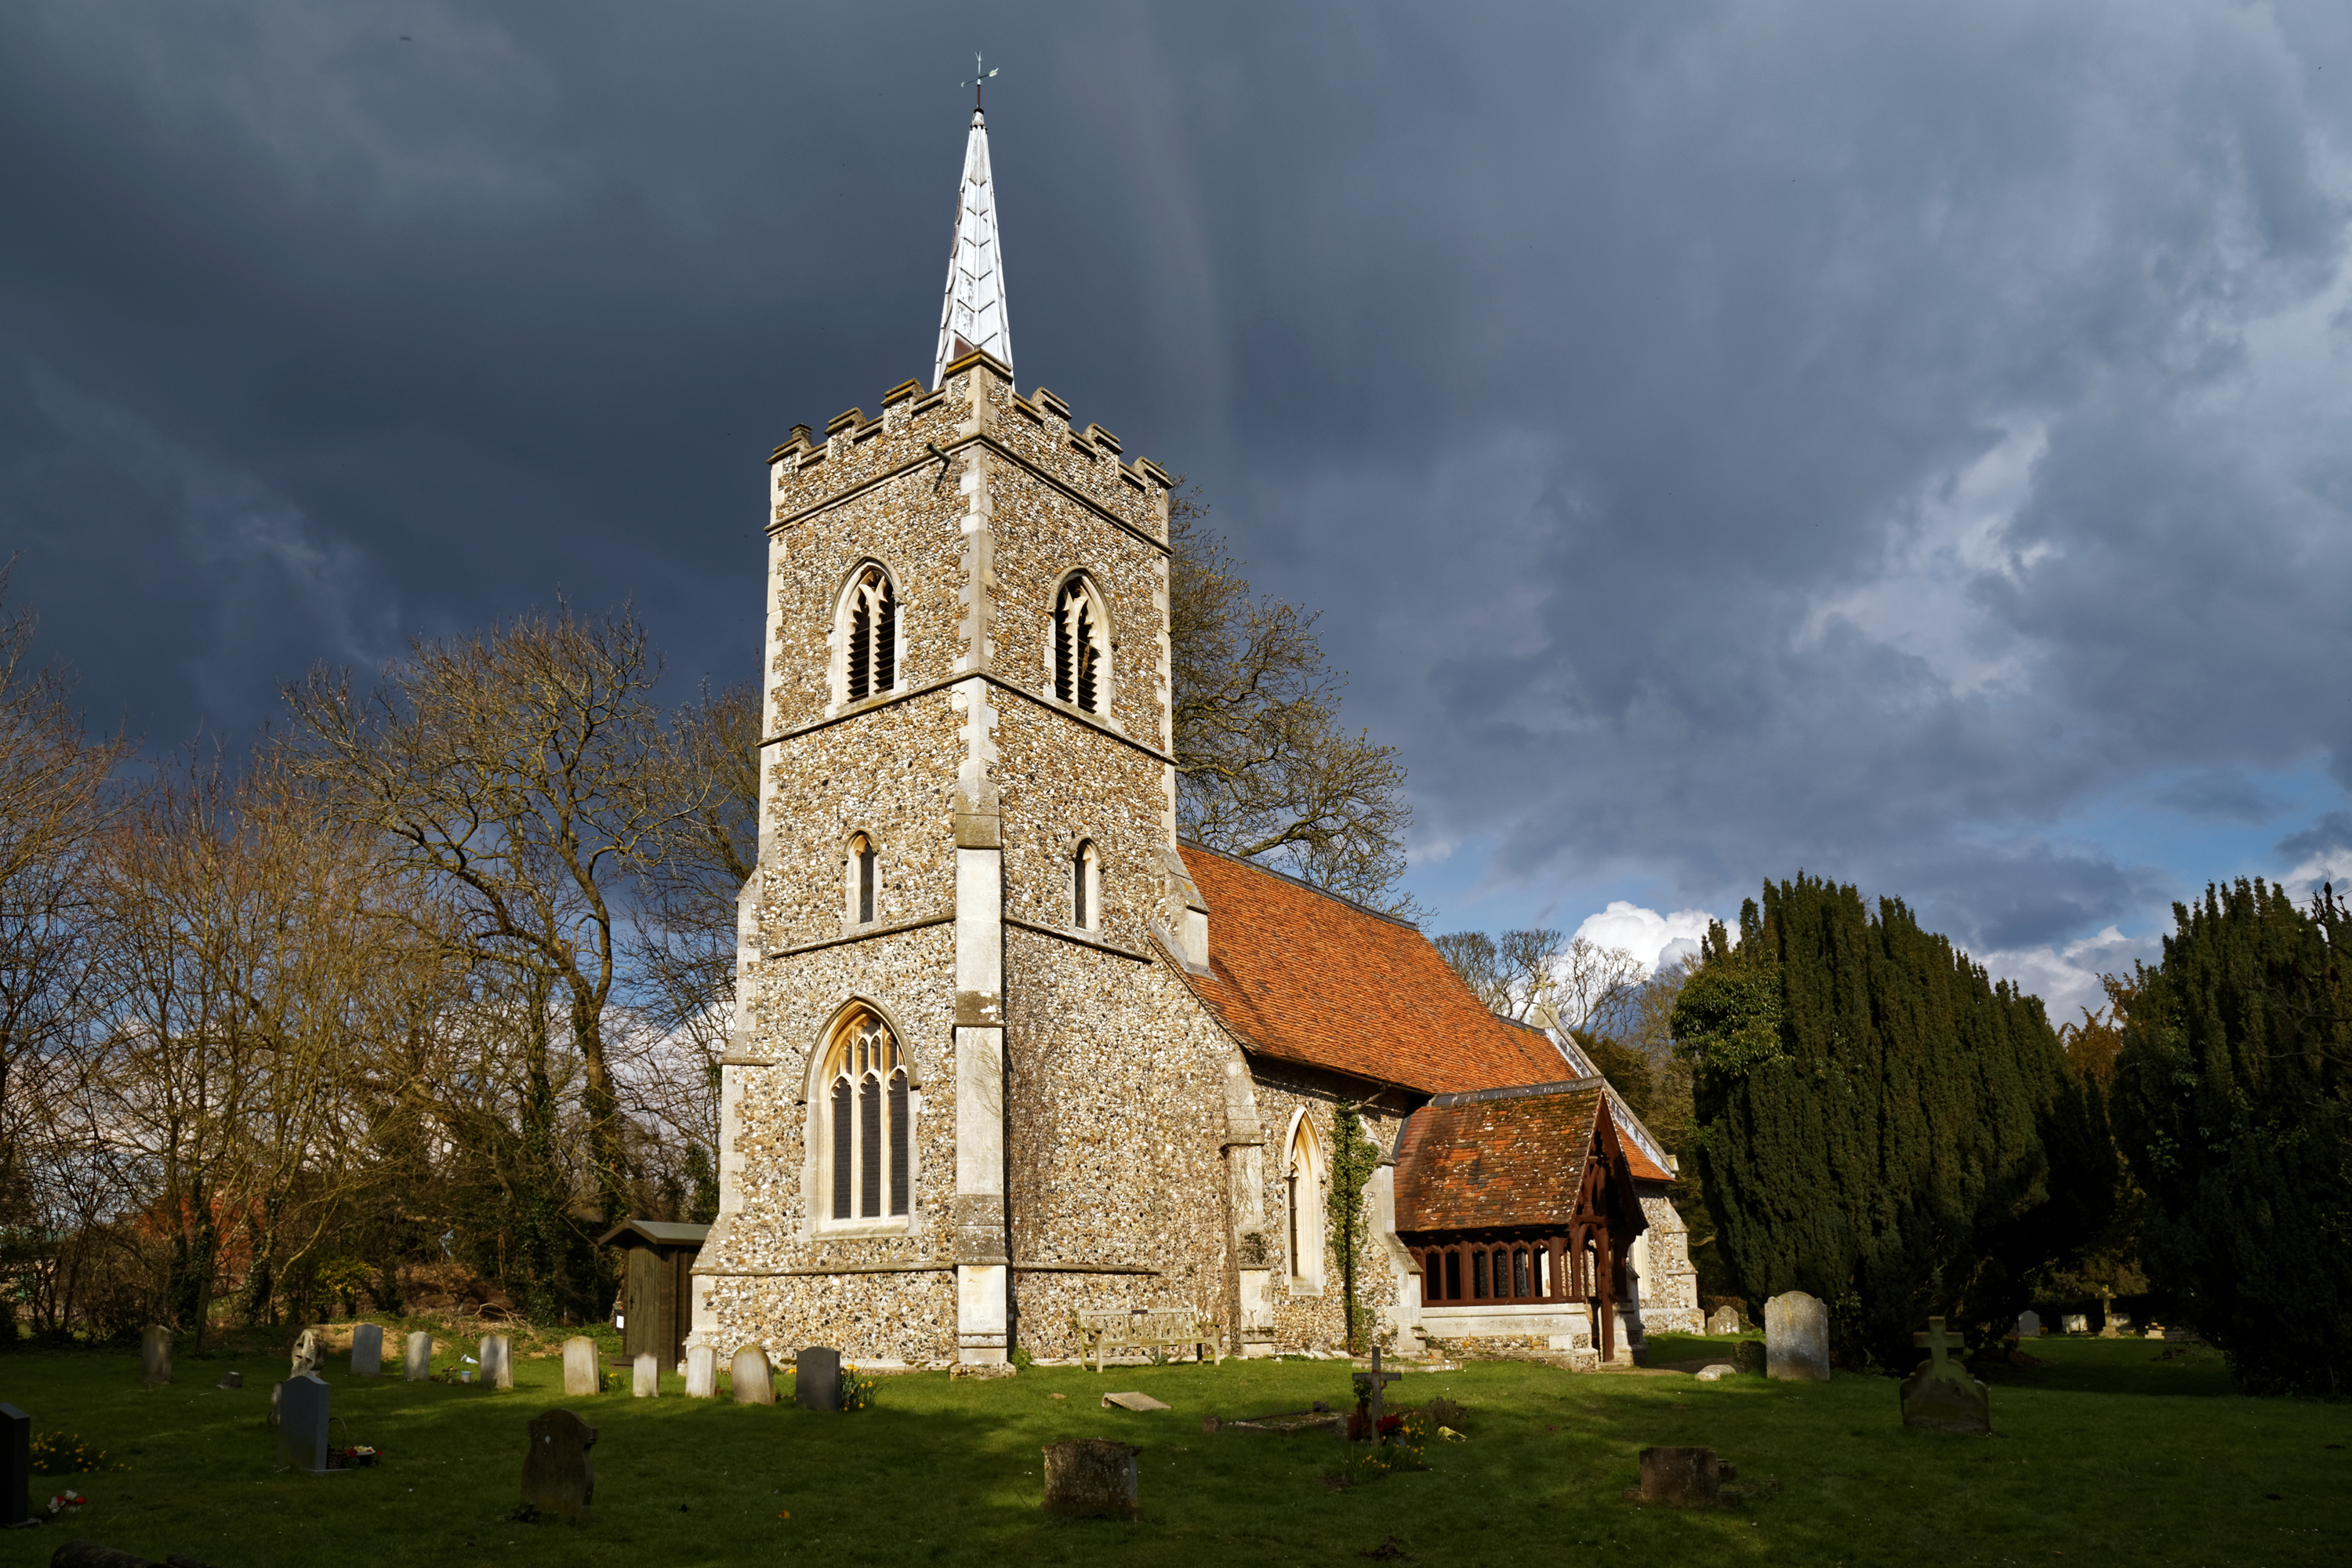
point(989, 1067)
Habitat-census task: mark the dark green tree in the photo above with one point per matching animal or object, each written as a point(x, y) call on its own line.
point(1880, 1124)
point(2234, 1102)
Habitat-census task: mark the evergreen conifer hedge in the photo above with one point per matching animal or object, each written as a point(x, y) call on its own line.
point(2234, 1102)
point(1879, 1124)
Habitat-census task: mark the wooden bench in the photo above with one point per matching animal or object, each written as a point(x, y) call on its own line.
point(1145, 1329)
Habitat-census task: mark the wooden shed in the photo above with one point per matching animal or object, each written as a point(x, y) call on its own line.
point(657, 1297)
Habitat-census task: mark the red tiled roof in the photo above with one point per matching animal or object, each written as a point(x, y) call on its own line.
point(1512, 1160)
point(1307, 977)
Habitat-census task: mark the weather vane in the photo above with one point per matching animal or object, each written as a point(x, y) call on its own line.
point(978, 76)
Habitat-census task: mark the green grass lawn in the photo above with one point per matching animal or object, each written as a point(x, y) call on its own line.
point(2108, 1455)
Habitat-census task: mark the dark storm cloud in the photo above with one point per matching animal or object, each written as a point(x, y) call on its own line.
point(1723, 439)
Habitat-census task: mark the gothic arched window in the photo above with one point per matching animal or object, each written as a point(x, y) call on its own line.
point(864, 878)
point(1302, 1201)
point(865, 1124)
point(869, 628)
point(1081, 647)
point(1085, 888)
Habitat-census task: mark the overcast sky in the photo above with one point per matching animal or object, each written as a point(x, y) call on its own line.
point(1907, 442)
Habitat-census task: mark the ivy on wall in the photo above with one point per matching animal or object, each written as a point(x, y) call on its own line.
point(1354, 1158)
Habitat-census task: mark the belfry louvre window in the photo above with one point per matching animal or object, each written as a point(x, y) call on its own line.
point(868, 1119)
point(873, 626)
point(1079, 647)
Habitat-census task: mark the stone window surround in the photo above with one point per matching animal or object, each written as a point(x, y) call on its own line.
point(836, 639)
point(1090, 582)
point(816, 1170)
point(1085, 888)
point(1304, 1169)
point(853, 903)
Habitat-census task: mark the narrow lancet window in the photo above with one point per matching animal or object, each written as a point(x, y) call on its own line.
point(1078, 647)
point(1086, 888)
point(863, 865)
point(873, 655)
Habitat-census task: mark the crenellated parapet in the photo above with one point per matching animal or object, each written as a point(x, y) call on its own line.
point(975, 406)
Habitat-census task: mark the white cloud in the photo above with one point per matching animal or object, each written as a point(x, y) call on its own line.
point(1652, 937)
point(2067, 978)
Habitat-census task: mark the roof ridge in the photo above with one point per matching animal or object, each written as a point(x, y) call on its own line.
point(1186, 843)
point(1517, 1092)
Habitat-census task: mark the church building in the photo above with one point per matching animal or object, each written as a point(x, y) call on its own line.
point(1006, 1047)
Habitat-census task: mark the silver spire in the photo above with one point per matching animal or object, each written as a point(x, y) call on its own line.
point(973, 316)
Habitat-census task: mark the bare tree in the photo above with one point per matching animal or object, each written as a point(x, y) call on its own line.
point(1568, 985)
point(1264, 770)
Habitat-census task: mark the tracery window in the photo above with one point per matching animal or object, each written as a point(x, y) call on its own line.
point(1081, 647)
point(870, 626)
point(1085, 888)
point(866, 1121)
point(865, 879)
point(1302, 1201)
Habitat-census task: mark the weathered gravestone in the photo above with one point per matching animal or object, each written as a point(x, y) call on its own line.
point(1725, 1322)
point(582, 1376)
point(16, 1466)
point(416, 1362)
point(231, 1380)
point(702, 1372)
point(303, 1423)
point(498, 1362)
point(817, 1379)
point(2075, 1323)
point(2029, 1325)
point(558, 1476)
point(1941, 1395)
point(1682, 1478)
point(1796, 1339)
point(1089, 1478)
point(646, 1377)
point(754, 1384)
point(1749, 1357)
point(309, 1354)
point(367, 1350)
point(155, 1356)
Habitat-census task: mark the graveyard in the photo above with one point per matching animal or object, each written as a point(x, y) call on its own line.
point(2111, 1450)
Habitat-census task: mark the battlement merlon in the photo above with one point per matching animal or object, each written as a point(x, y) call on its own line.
point(975, 406)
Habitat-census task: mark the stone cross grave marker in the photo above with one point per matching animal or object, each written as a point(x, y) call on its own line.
point(303, 1423)
point(582, 1376)
point(1797, 1339)
point(2029, 1325)
point(702, 1372)
point(2075, 1323)
point(646, 1375)
point(16, 1466)
point(367, 1350)
point(1725, 1322)
point(416, 1362)
point(558, 1476)
point(1372, 1388)
point(817, 1379)
point(1091, 1477)
point(1941, 1395)
point(754, 1384)
point(309, 1354)
point(155, 1356)
point(498, 1362)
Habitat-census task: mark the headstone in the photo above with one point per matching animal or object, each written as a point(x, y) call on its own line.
point(1725, 1322)
point(16, 1466)
point(1749, 1357)
point(1796, 1339)
point(417, 1363)
point(498, 1362)
point(2075, 1323)
point(1139, 1403)
point(303, 1423)
point(231, 1380)
point(754, 1384)
point(1714, 1372)
point(1372, 1388)
point(309, 1354)
point(2029, 1325)
point(648, 1383)
point(155, 1356)
point(582, 1376)
point(1681, 1478)
point(558, 1476)
point(817, 1379)
point(702, 1372)
point(1941, 1395)
point(367, 1350)
point(1088, 1478)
